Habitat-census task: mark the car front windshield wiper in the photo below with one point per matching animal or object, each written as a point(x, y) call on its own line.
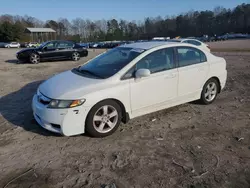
point(89, 72)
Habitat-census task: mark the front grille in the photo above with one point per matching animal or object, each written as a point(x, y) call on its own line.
point(56, 126)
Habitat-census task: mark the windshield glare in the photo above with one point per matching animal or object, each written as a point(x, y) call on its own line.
point(43, 44)
point(109, 63)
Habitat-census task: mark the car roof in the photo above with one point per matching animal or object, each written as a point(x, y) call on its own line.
point(182, 39)
point(148, 45)
point(61, 41)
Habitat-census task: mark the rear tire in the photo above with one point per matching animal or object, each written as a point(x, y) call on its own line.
point(210, 91)
point(76, 56)
point(34, 58)
point(103, 119)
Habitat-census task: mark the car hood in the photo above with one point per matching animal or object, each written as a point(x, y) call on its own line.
point(68, 86)
point(27, 50)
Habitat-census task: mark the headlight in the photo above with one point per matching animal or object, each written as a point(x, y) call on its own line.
point(65, 103)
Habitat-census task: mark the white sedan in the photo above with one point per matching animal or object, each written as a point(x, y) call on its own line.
point(33, 45)
point(127, 82)
point(12, 45)
point(195, 42)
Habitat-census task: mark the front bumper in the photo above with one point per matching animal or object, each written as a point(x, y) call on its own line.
point(67, 122)
point(22, 57)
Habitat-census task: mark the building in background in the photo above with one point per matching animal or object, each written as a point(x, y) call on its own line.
point(40, 34)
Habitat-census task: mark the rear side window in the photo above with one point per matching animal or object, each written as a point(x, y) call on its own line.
point(65, 44)
point(189, 56)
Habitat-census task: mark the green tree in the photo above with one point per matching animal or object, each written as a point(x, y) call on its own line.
point(6, 32)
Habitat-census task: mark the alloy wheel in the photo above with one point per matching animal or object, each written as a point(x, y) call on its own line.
point(211, 91)
point(105, 119)
point(75, 56)
point(34, 58)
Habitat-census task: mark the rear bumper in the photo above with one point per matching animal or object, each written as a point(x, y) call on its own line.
point(84, 53)
point(223, 80)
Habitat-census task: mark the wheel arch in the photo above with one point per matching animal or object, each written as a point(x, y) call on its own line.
point(125, 115)
point(217, 79)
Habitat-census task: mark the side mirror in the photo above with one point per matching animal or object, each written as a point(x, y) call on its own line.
point(142, 73)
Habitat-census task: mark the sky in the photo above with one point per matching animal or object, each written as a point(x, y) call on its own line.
point(108, 9)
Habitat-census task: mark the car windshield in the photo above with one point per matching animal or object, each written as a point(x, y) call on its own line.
point(43, 44)
point(109, 63)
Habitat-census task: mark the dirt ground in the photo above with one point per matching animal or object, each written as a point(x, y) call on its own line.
point(231, 45)
point(192, 145)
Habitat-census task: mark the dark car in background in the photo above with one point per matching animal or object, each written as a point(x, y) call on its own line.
point(24, 44)
point(107, 44)
point(52, 50)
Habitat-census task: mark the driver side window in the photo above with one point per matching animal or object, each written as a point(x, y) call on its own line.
point(157, 61)
point(51, 46)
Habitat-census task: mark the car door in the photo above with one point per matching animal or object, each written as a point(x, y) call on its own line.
point(65, 49)
point(50, 51)
point(193, 69)
point(160, 86)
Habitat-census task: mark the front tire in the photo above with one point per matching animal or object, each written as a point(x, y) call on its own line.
point(210, 91)
point(76, 56)
point(103, 119)
point(34, 58)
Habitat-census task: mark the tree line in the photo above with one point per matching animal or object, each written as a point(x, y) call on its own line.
point(193, 23)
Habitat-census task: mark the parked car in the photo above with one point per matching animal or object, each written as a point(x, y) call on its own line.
point(12, 45)
point(160, 38)
point(85, 45)
point(33, 45)
point(215, 38)
point(2, 44)
point(193, 42)
point(127, 82)
point(52, 50)
point(24, 45)
point(204, 38)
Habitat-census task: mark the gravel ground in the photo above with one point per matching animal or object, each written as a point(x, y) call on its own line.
point(190, 145)
point(239, 45)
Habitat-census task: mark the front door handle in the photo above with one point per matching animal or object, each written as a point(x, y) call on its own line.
point(201, 69)
point(172, 75)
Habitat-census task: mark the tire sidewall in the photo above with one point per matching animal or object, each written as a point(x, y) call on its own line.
point(73, 55)
point(31, 56)
point(203, 98)
point(89, 120)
